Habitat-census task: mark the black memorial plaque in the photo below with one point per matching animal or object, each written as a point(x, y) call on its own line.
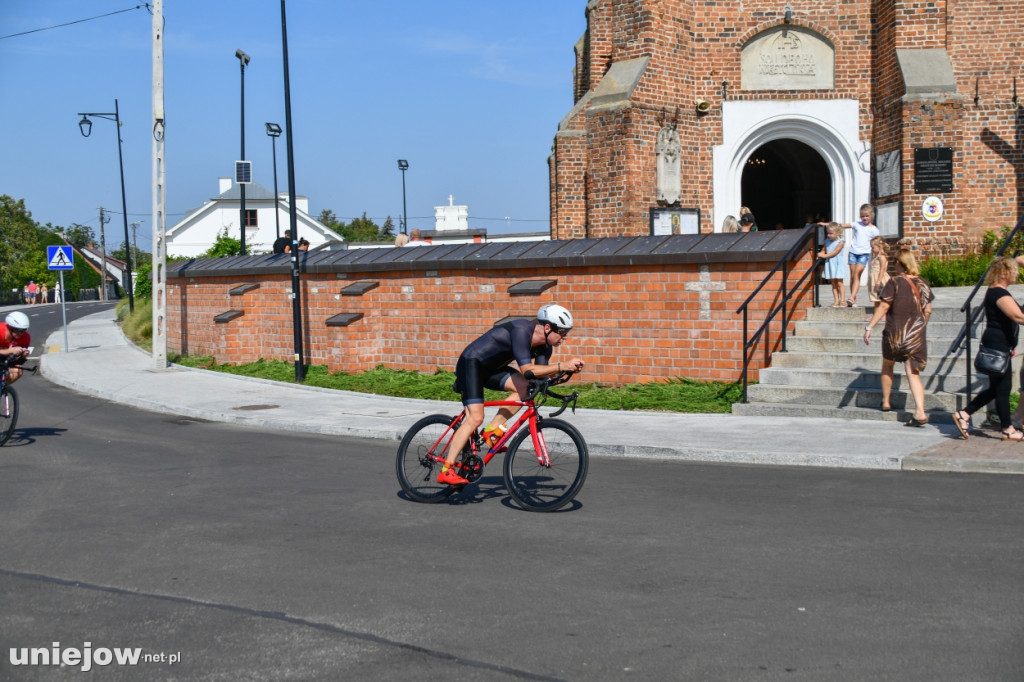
point(933, 170)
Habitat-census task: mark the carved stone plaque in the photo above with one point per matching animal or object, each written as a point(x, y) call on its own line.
point(787, 58)
point(669, 177)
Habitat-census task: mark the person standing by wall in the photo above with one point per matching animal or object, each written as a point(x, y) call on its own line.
point(416, 238)
point(1003, 318)
point(906, 305)
point(860, 248)
point(878, 270)
point(836, 269)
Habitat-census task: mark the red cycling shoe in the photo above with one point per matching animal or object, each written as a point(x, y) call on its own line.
point(449, 477)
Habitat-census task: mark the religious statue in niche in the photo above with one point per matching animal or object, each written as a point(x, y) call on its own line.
point(669, 178)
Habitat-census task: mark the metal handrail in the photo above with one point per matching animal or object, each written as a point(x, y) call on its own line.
point(810, 233)
point(970, 319)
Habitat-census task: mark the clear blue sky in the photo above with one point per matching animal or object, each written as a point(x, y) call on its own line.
point(469, 92)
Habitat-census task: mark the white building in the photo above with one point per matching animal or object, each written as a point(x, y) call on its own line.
point(198, 231)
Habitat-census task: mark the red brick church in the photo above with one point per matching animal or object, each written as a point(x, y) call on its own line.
point(687, 110)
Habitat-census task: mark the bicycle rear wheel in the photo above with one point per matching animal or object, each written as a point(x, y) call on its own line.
point(8, 413)
point(420, 457)
point(536, 487)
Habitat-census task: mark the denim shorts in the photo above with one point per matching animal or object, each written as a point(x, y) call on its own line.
point(859, 258)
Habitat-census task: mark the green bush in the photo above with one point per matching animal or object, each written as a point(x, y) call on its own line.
point(959, 271)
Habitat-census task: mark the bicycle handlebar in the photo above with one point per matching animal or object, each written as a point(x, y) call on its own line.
point(542, 387)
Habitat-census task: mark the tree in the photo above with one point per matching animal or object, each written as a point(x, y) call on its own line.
point(387, 231)
point(361, 230)
point(19, 242)
point(225, 246)
point(79, 236)
point(328, 218)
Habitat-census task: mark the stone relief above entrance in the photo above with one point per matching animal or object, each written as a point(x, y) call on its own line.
point(788, 58)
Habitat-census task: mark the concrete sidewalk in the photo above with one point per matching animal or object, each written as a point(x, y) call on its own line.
point(101, 362)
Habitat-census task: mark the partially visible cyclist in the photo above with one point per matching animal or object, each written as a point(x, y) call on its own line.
point(14, 341)
point(485, 363)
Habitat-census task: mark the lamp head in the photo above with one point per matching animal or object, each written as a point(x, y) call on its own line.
point(403, 164)
point(242, 57)
point(85, 125)
point(273, 129)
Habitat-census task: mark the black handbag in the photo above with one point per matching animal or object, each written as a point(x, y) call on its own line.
point(990, 361)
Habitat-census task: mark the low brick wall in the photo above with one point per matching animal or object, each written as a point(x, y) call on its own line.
point(646, 308)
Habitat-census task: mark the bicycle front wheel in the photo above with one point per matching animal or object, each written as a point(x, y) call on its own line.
point(420, 457)
point(534, 485)
point(8, 413)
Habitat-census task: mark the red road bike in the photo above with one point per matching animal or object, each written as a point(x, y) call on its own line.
point(545, 465)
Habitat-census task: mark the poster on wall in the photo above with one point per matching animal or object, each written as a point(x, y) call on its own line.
point(667, 220)
point(889, 219)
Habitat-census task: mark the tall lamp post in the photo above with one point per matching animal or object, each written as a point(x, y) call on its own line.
point(243, 60)
point(85, 125)
point(274, 131)
point(403, 166)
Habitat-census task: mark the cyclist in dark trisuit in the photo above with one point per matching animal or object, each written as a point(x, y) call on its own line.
point(485, 363)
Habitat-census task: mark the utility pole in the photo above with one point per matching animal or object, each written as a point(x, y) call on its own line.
point(135, 245)
point(104, 219)
point(158, 272)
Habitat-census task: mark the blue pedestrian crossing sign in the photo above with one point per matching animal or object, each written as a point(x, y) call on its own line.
point(60, 258)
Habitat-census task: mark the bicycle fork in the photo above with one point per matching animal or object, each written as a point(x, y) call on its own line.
point(540, 446)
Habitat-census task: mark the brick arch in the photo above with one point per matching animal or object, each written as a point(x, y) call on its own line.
point(814, 26)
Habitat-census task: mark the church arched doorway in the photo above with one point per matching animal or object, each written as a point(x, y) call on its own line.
point(784, 182)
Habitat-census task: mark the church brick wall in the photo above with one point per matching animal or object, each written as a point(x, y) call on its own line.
point(694, 49)
point(634, 323)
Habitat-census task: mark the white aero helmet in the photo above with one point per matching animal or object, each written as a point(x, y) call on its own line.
point(17, 320)
point(555, 315)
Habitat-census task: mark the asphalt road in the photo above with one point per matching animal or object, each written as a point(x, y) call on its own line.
point(246, 554)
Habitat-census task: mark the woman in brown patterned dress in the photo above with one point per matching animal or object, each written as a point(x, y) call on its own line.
point(906, 304)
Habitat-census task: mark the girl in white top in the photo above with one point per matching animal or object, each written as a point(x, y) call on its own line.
point(860, 248)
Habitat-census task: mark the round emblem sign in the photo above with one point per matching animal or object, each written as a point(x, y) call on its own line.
point(932, 208)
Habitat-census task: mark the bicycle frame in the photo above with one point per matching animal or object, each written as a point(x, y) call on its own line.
point(530, 415)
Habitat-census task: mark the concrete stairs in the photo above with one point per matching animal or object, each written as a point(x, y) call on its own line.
point(827, 371)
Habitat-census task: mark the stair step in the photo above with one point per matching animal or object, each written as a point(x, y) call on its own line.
point(855, 328)
point(759, 409)
point(855, 344)
point(826, 313)
point(828, 371)
point(833, 377)
point(840, 397)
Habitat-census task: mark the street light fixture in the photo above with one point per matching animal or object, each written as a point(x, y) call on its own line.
point(274, 131)
point(403, 166)
point(243, 60)
point(85, 126)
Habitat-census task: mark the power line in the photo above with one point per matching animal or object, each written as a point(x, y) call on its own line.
point(70, 23)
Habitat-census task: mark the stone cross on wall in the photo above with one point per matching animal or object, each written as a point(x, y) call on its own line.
point(669, 150)
point(705, 286)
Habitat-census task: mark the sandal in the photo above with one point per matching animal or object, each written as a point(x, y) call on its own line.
point(850, 303)
point(1014, 435)
point(914, 421)
point(963, 424)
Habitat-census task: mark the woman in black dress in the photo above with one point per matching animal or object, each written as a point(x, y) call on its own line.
point(1002, 319)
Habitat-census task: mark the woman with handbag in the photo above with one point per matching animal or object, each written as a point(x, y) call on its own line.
point(999, 340)
point(906, 304)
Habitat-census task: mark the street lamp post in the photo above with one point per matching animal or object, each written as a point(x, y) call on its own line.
point(274, 131)
point(243, 60)
point(85, 126)
point(403, 166)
